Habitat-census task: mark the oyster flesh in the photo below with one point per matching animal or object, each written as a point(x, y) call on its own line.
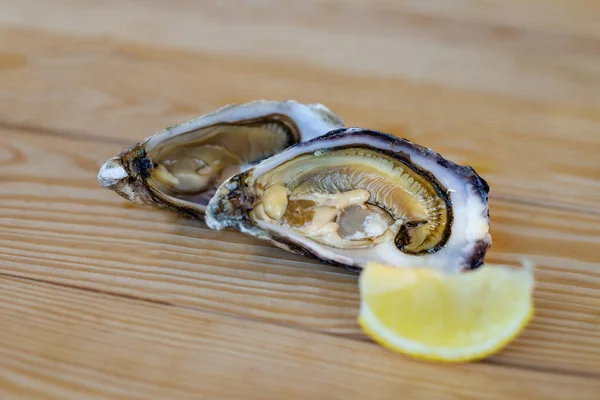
point(356, 195)
point(180, 167)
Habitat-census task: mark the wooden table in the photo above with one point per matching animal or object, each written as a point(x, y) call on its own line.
point(100, 299)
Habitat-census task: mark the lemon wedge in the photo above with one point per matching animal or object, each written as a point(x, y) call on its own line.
point(433, 315)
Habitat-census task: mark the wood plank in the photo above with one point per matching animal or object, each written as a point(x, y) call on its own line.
point(63, 343)
point(526, 150)
point(58, 225)
point(502, 47)
point(102, 299)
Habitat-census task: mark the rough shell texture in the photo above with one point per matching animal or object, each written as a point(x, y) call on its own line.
point(128, 173)
point(465, 190)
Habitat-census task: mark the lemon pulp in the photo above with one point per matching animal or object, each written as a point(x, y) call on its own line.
point(434, 315)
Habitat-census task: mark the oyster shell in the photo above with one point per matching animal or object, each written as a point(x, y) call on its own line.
point(180, 167)
point(356, 195)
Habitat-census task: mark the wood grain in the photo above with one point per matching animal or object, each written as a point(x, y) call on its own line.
point(73, 232)
point(137, 350)
point(512, 50)
point(525, 149)
point(100, 299)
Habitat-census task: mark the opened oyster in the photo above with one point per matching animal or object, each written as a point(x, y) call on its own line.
point(180, 167)
point(356, 195)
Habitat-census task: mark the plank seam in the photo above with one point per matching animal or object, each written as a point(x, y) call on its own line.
point(74, 135)
point(354, 338)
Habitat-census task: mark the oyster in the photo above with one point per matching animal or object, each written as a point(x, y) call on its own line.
point(356, 195)
point(180, 167)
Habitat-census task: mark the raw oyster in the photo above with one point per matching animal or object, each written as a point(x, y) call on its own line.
point(180, 167)
point(356, 195)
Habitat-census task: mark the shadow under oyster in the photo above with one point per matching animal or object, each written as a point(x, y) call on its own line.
point(180, 167)
point(356, 195)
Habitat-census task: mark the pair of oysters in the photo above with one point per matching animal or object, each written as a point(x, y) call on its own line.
point(292, 174)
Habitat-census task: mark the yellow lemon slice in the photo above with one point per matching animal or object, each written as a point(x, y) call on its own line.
point(434, 315)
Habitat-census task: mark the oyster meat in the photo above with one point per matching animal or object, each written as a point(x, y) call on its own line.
point(180, 167)
point(356, 195)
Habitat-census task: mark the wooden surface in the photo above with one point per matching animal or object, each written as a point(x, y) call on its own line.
point(100, 299)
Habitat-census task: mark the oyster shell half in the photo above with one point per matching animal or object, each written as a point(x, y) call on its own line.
point(180, 167)
point(356, 195)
